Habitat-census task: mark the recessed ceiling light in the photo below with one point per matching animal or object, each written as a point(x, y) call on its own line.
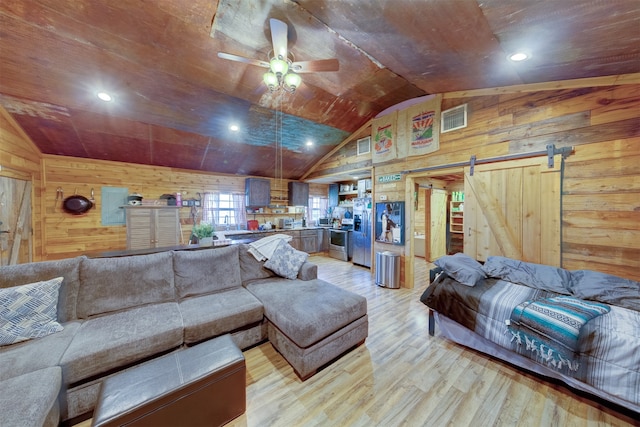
point(104, 96)
point(234, 128)
point(309, 143)
point(518, 56)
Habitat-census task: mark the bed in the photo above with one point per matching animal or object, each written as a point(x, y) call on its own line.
point(581, 327)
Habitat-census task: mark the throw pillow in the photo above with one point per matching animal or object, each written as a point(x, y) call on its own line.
point(29, 311)
point(462, 268)
point(286, 261)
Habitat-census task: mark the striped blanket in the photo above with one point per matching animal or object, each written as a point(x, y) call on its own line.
point(550, 327)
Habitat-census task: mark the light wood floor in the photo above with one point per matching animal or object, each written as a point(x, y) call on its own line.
point(403, 377)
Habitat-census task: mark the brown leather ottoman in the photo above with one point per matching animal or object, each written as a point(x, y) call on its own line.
point(202, 385)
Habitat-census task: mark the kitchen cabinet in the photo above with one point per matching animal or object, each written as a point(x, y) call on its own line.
point(309, 241)
point(333, 195)
point(298, 193)
point(364, 187)
point(257, 192)
point(152, 226)
point(323, 240)
point(295, 239)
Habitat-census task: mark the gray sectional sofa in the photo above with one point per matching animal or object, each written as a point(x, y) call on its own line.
point(121, 311)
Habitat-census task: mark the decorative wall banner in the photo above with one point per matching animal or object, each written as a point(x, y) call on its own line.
point(383, 133)
point(419, 128)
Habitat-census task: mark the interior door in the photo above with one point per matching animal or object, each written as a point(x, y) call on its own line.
point(512, 209)
point(15, 221)
point(437, 236)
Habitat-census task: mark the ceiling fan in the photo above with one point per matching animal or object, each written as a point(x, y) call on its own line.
point(283, 69)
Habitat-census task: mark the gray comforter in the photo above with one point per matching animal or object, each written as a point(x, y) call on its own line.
point(608, 352)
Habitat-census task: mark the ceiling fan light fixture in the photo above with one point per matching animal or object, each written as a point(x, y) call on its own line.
point(279, 66)
point(292, 81)
point(271, 80)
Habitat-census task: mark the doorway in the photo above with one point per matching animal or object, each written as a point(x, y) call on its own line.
point(16, 245)
point(432, 228)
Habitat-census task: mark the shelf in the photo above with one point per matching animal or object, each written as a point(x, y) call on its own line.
point(348, 193)
point(456, 217)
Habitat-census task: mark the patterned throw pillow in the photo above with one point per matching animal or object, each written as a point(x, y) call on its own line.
point(286, 261)
point(29, 311)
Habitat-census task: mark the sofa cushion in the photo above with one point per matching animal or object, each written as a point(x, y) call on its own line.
point(15, 275)
point(112, 284)
point(118, 339)
point(37, 354)
point(29, 311)
point(207, 316)
point(250, 267)
point(307, 311)
point(31, 400)
point(286, 261)
point(206, 271)
point(539, 276)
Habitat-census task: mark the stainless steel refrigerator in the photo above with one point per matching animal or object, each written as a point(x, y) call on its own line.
point(362, 230)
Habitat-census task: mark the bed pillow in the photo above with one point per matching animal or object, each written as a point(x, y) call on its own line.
point(286, 261)
point(539, 276)
point(593, 285)
point(29, 311)
point(462, 268)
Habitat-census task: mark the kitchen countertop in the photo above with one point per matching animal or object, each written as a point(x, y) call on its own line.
point(278, 230)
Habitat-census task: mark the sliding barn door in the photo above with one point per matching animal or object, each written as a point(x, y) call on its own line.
point(15, 221)
point(436, 241)
point(512, 209)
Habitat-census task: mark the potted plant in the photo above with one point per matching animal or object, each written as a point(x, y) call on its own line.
point(204, 233)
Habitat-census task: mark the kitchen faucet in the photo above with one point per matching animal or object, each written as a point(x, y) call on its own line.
point(226, 221)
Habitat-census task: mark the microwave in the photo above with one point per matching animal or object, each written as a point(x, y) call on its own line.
point(285, 223)
point(324, 222)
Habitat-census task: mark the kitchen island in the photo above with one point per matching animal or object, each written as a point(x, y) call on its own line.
point(307, 239)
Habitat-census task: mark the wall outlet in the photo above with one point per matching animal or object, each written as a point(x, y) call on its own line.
point(383, 197)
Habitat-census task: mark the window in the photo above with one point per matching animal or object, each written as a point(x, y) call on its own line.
point(317, 208)
point(224, 209)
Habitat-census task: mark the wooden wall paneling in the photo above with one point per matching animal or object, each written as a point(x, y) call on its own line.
point(19, 158)
point(603, 175)
point(68, 235)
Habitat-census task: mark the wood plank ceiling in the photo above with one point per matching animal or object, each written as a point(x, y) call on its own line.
point(174, 99)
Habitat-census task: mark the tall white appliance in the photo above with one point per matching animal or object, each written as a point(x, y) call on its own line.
point(362, 231)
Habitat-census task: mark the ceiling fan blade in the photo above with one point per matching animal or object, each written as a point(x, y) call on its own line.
point(316, 66)
point(279, 38)
point(243, 59)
